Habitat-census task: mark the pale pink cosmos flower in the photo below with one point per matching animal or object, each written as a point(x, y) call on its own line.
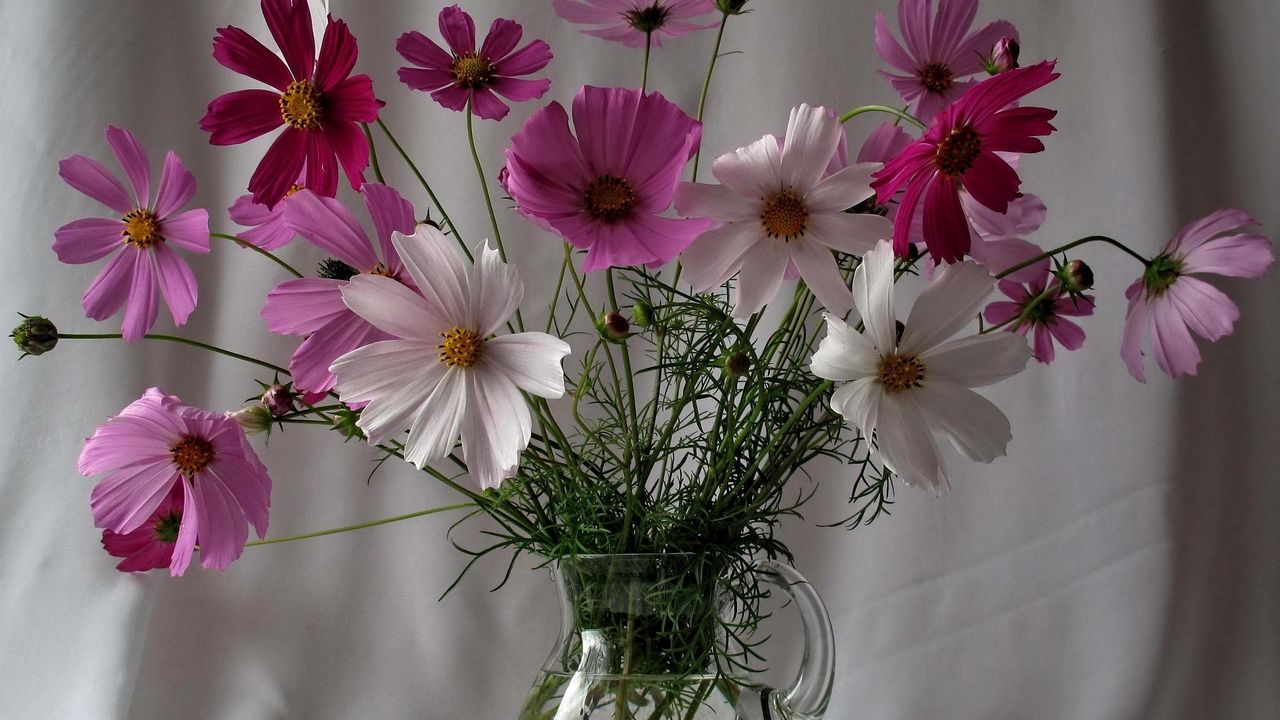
point(777, 207)
point(636, 22)
point(1041, 306)
point(464, 74)
point(941, 52)
point(1170, 302)
point(313, 307)
point(963, 149)
point(156, 444)
point(265, 224)
point(151, 545)
point(605, 190)
point(143, 236)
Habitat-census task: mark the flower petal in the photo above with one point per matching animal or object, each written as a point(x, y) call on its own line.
point(189, 231)
point(237, 50)
point(290, 24)
point(279, 167)
point(438, 269)
point(496, 428)
point(310, 363)
point(759, 278)
point(754, 171)
point(977, 360)
point(1171, 342)
point(844, 354)
point(854, 234)
point(906, 445)
point(438, 421)
point(393, 308)
point(133, 160)
point(458, 30)
point(1136, 319)
point(93, 179)
point(1205, 309)
point(978, 429)
point(821, 273)
point(529, 59)
point(858, 403)
point(108, 291)
point(495, 291)
point(1246, 256)
point(223, 528)
point(125, 499)
point(531, 360)
point(812, 136)
point(177, 284)
point(144, 297)
point(395, 377)
point(303, 306)
point(330, 226)
point(842, 190)
point(873, 290)
point(714, 201)
point(87, 240)
point(718, 254)
point(948, 304)
point(338, 54)
point(502, 38)
point(242, 115)
point(423, 52)
point(177, 186)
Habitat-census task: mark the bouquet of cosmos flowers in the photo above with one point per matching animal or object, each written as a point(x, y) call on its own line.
point(655, 406)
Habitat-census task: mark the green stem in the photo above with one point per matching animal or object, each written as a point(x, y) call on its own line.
point(706, 89)
point(1075, 243)
point(644, 76)
point(881, 109)
point(488, 199)
point(373, 153)
point(425, 186)
point(361, 526)
point(246, 244)
point(176, 339)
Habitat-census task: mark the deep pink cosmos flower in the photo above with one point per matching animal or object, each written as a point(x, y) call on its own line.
point(635, 22)
point(1170, 302)
point(142, 235)
point(960, 150)
point(313, 307)
point(466, 75)
point(941, 53)
point(266, 226)
point(605, 190)
point(156, 444)
point(1043, 306)
point(151, 545)
point(317, 99)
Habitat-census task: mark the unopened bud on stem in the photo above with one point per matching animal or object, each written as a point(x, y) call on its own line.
point(35, 335)
point(614, 326)
point(1076, 276)
point(1004, 56)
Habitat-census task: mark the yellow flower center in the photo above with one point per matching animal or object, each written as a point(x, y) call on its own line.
point(294, 189)
point(141, 229)
point(609, 198)
point(383, 270)
point(901, 372)
point(472, 71)
point(461, 347)
point(301, 105)
point(784, 216)
point(957, 153)
point(191, 455)
point(935, 77)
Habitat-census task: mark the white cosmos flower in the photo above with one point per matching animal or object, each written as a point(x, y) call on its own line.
point(908, 391)
point(447, 374)
point(780, 213)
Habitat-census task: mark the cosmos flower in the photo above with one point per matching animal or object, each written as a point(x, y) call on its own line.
point(777, 206)
point(151, 545)
point(1041, 306)
point(448, 374)
point(1171, 302)
point(143, 236)
point(941, 53)
point(157, 444)
point(266, 226)
point(464, 75)
point(960, 150)
point(317, 99)
point(605, 190)
point(905, 391)
point(636, 22)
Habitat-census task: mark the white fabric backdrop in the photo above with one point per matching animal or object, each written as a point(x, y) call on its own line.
point(1121, 563)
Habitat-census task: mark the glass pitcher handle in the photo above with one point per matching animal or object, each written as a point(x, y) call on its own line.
point(808, 695)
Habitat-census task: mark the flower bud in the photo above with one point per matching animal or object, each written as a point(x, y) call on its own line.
point(642, 314)
point(344, 421)
point(614, 326)
point(254, 419)
point(1076, 276)
point(736, 364)
point(731, 7)
point(1004, 56)
point(278, 400)
point(35, 335)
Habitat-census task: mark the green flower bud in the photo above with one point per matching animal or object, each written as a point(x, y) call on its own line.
point(1004, 56)
point(736, 364)
point(1076, 276)
point(344, 421)
point(731, 7)
point(254, 419)
point(35, 335)
point(642, 314)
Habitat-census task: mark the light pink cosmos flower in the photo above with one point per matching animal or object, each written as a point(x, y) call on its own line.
point(636, 22)
point(941, 52)
point(156, 444)
point(605, 190)
point(960, 150)
point(317, 99)
point(1172, 303)
point(151, 545)
point(775, 207)
point(313, 307)
point(266, 225)
point(145, 267)
point(1042, 306)
point(466, 75)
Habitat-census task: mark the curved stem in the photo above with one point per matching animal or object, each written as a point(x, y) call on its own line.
point(425, 186)
point(360, 526)
point(881, 109)
point(176, 339)
point(488, 199)
point(1075, 243)
point(373, 153)
point(706, 89)
point(246, 244)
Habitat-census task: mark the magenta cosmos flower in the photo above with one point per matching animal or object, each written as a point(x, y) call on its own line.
point(636, 22)
point(265, 224)
point(1041, 306)
point(151, 545)
point(317, 99)
point(313, 307)
point(466, 75)
point(1170, 302)
point(941, 53)
point(605, 190)
point(142, 235)
point(157, 444)
point(960, 150)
